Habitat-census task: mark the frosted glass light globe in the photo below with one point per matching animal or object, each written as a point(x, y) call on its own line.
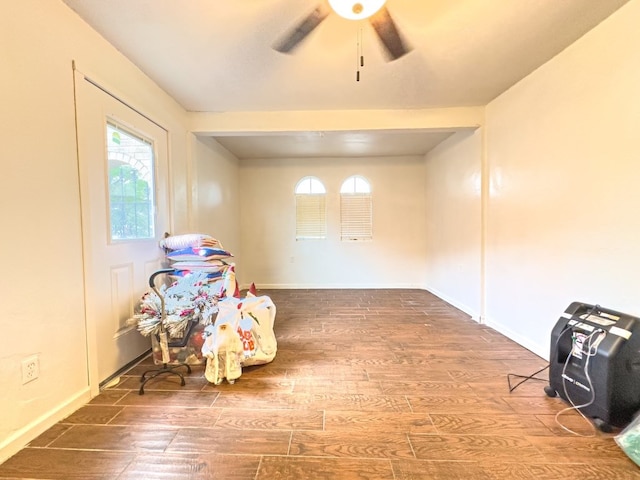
point(356, 9)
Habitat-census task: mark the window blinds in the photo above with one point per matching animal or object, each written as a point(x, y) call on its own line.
point(311, 216)
point(355, 216)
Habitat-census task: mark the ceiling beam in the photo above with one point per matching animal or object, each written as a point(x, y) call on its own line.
point(286, 122)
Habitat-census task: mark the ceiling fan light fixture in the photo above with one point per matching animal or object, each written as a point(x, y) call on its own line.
point(356, 9)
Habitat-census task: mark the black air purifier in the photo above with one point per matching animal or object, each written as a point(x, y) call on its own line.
point(595, 363)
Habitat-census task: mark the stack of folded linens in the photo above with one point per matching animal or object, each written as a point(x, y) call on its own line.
point(197, 253)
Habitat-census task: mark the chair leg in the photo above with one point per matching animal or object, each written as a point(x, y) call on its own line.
point(165, 369)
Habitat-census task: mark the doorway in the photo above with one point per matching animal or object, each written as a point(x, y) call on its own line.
point(123, 171)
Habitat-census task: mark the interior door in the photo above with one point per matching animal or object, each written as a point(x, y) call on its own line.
point(123, 168)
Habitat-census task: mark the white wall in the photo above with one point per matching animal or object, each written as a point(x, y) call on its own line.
point(562, 218)
point(560, 221)
point(216, 197)
point(273, 258)
point(41, 288)
point(453, 217)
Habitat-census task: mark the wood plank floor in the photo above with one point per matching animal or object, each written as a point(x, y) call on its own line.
point(367, 384)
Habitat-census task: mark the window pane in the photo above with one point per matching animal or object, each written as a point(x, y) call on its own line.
point(355, 184)
point(361, 185)
point(310, 185)
point(131, 185)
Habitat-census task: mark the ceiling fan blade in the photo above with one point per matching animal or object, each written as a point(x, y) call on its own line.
point(389, 34)
point(304, 28)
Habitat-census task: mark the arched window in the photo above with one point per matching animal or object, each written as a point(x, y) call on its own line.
point(311, 211)
point(355, 209)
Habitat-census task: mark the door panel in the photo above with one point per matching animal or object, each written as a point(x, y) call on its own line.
point(117, 268)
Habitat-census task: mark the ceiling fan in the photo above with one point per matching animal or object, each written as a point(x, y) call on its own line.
point(375, 10)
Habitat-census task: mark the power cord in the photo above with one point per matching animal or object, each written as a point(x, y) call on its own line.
point(533, 375)
point(590, 352)
point(525, 378)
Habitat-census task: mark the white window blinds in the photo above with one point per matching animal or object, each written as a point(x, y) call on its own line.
point(311, 216)
point(311, 211)
point(356, 217)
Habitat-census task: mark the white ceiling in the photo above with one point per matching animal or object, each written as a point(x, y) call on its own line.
point(333, 144)
point(217, 56)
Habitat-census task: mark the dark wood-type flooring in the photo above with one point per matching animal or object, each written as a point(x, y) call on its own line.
point(367, 384)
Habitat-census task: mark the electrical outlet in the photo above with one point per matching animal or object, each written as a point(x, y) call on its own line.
point(30, 369)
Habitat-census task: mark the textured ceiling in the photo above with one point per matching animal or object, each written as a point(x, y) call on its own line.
point(217, 56)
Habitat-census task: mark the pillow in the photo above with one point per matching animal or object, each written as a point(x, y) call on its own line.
point(197, 253)
point(179, 242)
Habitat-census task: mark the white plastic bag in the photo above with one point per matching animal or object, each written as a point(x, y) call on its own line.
point(223, 351)
point(252, 320)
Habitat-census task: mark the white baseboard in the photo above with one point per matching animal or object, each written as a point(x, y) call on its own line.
point(26, 434)
point(541, 350)
point(454, 303)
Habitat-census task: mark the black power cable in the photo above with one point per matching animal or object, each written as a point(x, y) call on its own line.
point(533, 375)
point(525, 378)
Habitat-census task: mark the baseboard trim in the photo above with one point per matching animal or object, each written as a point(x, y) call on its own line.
point(18, 440)
point(126, 368)
point(454, 303)
point(541, 350)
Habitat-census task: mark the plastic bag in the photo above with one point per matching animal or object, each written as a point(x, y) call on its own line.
point(629, 440)
point(251, 320)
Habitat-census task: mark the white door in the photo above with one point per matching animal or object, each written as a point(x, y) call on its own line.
point(123, 170)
